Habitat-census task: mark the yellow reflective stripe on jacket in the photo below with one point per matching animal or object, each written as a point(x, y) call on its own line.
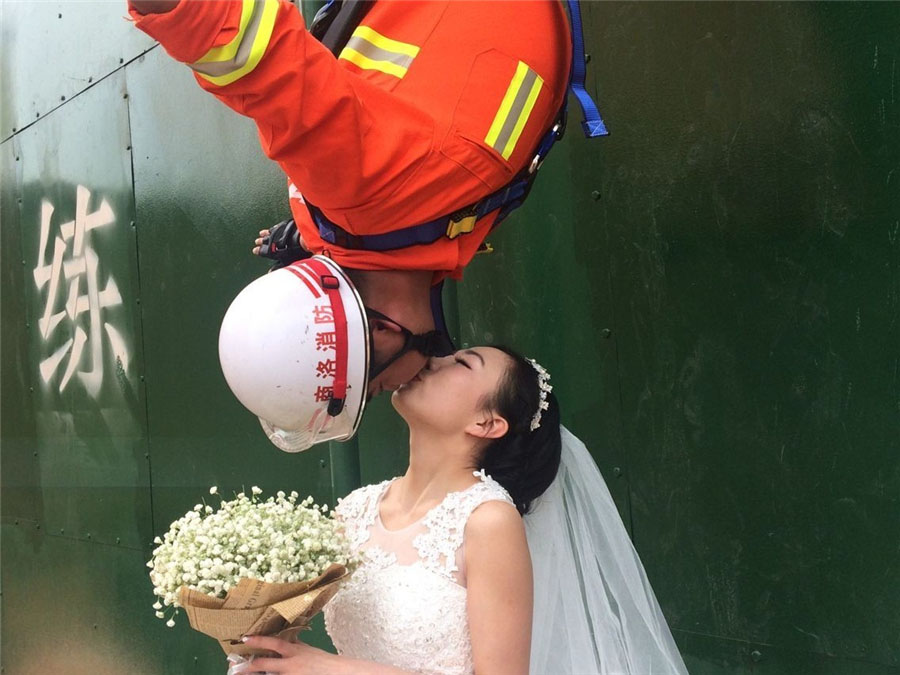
point(226, 64)
point(385, 43)
point(227, 52)
point(514, 110)
point(370, 50)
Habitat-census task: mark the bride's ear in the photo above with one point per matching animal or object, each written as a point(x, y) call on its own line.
point(491, 426)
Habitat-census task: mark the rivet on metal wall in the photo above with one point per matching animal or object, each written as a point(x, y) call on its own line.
point(617, 472)
point(35, 453)
point(127, 147)
point(587, 58)
point(59, 16)
point(121, 60)
point(137, 300)
point(147, 455)
point(91, 78)
point(17, 157)
point(605, 333)
point(125, 95)
point(596, 195)
point(95, 626)
point(88, 535)
point(16, 521)
point(37, 526)
point(62, 98)
point(37, 114)
point(62, 530)
point(756, 656)
point(118, 540)
point(322, 463)
point(31, 389)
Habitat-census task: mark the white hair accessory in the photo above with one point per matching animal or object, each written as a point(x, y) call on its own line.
point(544, 384)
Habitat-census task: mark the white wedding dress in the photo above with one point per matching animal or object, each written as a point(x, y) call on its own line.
point(595, 612)
point(405, 605)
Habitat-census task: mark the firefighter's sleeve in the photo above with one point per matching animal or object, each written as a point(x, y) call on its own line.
point(314, 117)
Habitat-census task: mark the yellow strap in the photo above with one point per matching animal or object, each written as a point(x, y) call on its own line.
point(260, 43)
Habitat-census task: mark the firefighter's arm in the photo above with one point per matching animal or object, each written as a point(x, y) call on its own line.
point(314, 117)
point(153, 6)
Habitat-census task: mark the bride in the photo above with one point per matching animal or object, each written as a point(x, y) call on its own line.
point(454, 580)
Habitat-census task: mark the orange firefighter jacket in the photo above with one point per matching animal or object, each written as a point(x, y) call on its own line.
point(431, 106)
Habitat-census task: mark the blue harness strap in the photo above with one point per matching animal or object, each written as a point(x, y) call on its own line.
point(324, 10)
point(592, 123)
point(507, 198)
point(425, 233)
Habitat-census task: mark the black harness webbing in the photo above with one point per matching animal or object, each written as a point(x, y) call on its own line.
point(335, 22)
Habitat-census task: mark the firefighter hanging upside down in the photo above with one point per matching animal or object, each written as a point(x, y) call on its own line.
point(401, 154)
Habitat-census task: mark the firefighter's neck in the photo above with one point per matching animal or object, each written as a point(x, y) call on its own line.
point(403, 295)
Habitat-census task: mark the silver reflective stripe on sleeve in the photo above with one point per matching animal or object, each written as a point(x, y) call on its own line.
point(370, 51)
point(223, 65)
point(514, 110)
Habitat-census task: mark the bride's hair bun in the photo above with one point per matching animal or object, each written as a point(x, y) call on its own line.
point(523, 461)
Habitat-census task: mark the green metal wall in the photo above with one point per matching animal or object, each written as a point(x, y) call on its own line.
point(715, 288)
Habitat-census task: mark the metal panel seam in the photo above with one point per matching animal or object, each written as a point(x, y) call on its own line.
point(137, 254)
point(72, 98)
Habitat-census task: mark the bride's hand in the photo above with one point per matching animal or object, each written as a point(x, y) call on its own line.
point(296, 659)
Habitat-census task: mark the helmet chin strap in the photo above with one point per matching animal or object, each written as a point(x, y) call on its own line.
point(432, 343)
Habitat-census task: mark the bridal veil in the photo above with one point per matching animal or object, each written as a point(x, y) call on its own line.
point(594, 609)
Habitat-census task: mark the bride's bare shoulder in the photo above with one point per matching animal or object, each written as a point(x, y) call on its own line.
point(494, 518)
point(496, 550)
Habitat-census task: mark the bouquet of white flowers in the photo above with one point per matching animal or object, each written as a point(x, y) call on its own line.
point(249, 567)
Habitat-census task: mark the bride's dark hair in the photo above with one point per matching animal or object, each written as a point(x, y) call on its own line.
point(523, 461)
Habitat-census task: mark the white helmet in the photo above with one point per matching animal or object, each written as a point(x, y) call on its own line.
point(303, 371)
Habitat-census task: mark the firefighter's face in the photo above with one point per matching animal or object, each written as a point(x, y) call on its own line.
point(386, 342)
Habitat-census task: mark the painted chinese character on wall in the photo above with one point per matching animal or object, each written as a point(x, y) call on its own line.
point(75, 293)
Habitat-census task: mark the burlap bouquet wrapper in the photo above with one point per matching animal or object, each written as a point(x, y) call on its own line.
point(255, 607)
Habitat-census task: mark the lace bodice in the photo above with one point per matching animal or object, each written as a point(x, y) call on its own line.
point(406, 603)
